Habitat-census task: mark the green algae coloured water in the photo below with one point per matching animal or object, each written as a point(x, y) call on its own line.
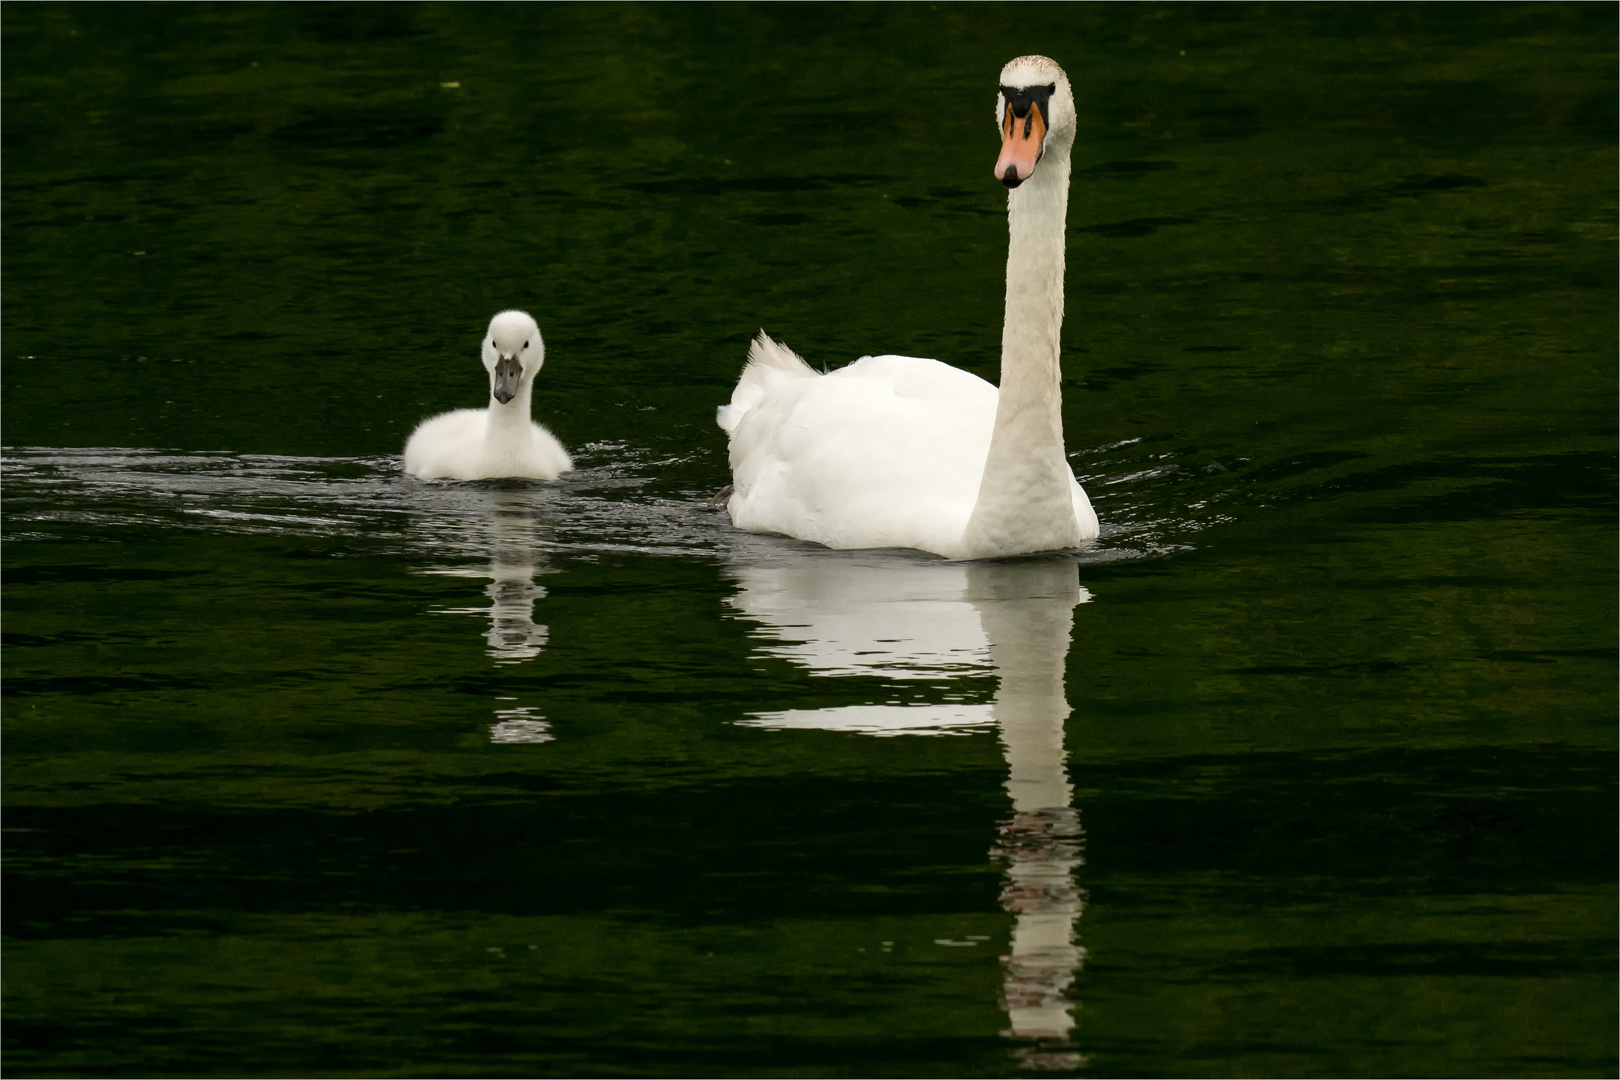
point(1306, 767)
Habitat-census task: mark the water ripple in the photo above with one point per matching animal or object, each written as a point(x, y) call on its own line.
point(605, 505)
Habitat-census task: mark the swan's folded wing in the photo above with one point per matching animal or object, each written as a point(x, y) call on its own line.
point(920, 379)
point(886, 452)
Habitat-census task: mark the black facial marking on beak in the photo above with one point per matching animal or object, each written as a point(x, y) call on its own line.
point(1010, 177)
point(508, 374)
point(1021, 98)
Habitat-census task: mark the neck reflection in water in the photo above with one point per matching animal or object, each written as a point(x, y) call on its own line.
point(855, 615)
point(511, 535)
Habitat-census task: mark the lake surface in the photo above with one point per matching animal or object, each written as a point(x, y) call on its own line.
point(1306, 767)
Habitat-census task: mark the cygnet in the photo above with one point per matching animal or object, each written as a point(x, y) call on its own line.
point(480, 444)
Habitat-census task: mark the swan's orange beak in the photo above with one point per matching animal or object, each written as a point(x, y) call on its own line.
point(1021, 140)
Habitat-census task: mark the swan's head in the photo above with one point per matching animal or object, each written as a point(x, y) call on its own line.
point(513, 352)
point(1034, 111)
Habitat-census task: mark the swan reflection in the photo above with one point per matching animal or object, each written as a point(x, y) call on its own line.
point(510, 532)
point(879, 616)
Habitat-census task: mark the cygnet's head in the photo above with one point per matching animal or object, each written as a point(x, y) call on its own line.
point(513, 352)
point(1034, 111)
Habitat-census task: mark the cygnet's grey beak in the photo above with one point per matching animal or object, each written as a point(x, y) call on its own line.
point(508, 373)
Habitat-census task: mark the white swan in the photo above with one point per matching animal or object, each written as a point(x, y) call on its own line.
point(896, 451)
point(478, 444)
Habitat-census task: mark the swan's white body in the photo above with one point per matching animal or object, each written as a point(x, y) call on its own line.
point(480, 444)
point(897, 451)
point(888, 452)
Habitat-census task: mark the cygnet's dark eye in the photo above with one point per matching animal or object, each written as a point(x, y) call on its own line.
point(525, 346)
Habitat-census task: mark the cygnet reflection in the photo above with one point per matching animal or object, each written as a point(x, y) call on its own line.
point(511, 534)
point(879, 616)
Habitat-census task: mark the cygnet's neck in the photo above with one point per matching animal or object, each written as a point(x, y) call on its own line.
point(1024, 503)
point(512, 420)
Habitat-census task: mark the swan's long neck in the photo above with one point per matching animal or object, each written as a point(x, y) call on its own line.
point(1024, 501)
point(509, 424)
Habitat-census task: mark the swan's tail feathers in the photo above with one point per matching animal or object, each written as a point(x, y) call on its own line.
point(763, 352)
point(770, 363)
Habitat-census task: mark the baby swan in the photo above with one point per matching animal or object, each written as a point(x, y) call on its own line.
point(480, 444)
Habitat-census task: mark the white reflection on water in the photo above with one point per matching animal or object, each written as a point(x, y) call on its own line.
point(512, 533)
point(1028, 613)
point(509, 527)
point(842, 615)
point(520, 725)
point(849, 615)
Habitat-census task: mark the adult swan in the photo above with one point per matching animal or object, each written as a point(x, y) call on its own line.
point(900, 452)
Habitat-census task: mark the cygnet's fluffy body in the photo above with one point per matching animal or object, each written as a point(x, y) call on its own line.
point(481, 444)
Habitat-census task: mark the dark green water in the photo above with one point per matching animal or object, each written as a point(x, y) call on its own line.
point(313, 770)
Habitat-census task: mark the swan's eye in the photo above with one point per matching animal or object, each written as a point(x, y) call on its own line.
point(525, 346)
